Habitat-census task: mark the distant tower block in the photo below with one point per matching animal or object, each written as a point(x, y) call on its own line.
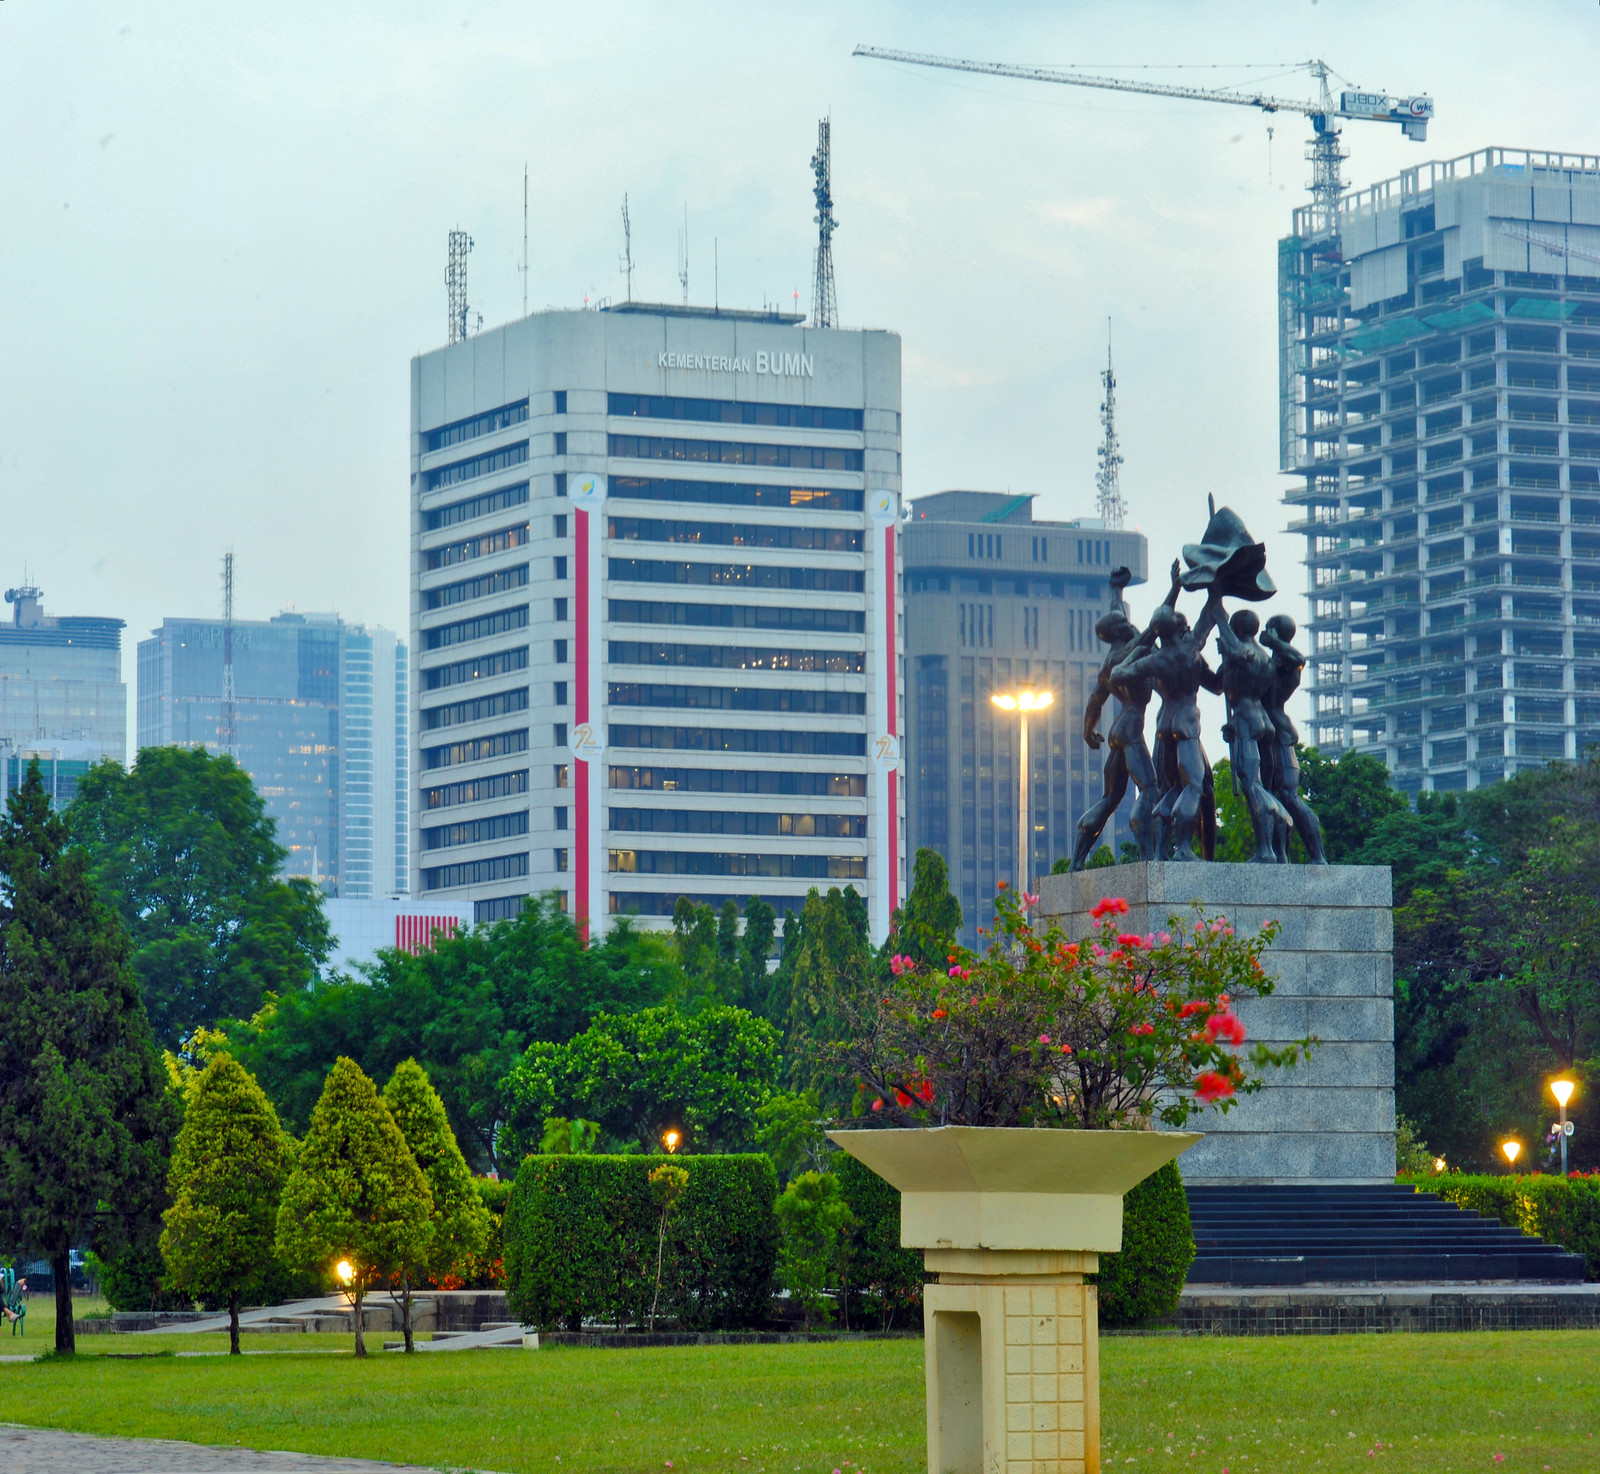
point(230, 702)
point(1112, 508)
point(824, 302)
point(455, 283)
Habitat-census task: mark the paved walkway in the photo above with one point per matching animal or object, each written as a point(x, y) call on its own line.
point(47, 1451)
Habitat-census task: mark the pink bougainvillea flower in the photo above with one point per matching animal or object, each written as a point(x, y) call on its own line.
point(877, 1105)
point(1194, 1006)
point(1129, 939)
point(1044, 1038)
point(1225, 1026)
point(1110, 906)
point(1210, 1086)
point(1164, 937)
point(1142, 1029)
point(1029, 899)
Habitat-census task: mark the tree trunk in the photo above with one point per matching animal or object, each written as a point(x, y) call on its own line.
point(233, 1322)
point(355, 1307)
point(405, 1311)
point(61, 1270)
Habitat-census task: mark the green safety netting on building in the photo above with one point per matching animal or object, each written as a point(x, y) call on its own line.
point(1387, 334)
point(1541, 308)
point(1469, 316)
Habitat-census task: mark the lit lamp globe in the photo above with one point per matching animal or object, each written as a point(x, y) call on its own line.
point(346, 1272)
point(1562, 1090)
point(1511, 1149)
point(670, 1140)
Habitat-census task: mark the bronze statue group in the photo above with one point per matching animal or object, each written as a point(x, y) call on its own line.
point(1258, 671)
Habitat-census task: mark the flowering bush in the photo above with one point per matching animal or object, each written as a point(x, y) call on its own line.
point(1111, 1031)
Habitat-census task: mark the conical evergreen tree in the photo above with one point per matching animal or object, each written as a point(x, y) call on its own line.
point(86, 1118)
point(460, 1220)
point(927, 926)
point(356, 1194)
point(228, 1171)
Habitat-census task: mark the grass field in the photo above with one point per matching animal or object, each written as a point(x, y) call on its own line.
point(1252, 1406)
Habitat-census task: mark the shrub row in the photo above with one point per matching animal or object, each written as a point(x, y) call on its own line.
point(1559, 1210)
point(1145, 1279)
point(581, 1240)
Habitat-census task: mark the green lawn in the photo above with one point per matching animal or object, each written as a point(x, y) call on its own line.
point(1247, 1405)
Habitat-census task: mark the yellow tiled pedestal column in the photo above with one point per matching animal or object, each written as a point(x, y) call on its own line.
point(1012, 1358)
point(1011, 1220)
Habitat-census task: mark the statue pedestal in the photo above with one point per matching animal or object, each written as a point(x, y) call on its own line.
point(1330, 1119)
point(1011, 1220)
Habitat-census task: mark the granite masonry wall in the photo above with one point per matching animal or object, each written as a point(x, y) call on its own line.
point(1330, 1119)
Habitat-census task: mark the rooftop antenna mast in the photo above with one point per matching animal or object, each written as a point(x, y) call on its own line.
point(524, 240)
point(1112, 507)
point(683, 257)
point(824, 302)
point(626, 264)
point(230, 726)
point(455, 283)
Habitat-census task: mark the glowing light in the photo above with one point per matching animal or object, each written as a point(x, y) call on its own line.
point(345, 1270)
point(670, 1140)
point(1562, 1090)
point(1009, 703)
point(1438, 1164)
point(1511, 1149)
point(1024, 701)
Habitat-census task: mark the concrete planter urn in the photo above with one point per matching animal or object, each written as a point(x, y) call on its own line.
point(1011, 1219)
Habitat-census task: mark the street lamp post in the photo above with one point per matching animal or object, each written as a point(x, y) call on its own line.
point(1562, 1090)
point(1024, 703)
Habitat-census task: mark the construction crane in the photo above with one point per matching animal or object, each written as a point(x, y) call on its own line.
point(1326, 113)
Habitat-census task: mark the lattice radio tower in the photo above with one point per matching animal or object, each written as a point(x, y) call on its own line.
point(455, 284)
point(230, 717)
point(1112, 507)
point(824, 302)
point(625, 264)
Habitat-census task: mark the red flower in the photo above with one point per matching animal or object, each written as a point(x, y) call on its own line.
point(1142, 1029)
point(1066, 1049)
point(902, 1100)
point(1210, 1086)
point(925, 1092)
point(940, 1013)
point(1130, 939)
point(1197, 1005)
point(1111, 905)
point(1225, 1026)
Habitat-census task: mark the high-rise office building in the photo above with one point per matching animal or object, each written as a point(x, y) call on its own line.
point(321, 715)
point(62, 697)
point(996, 601)
point(653, 604)
point(1441, 408)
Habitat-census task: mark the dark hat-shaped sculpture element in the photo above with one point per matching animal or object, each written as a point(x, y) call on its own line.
point(1228, 560)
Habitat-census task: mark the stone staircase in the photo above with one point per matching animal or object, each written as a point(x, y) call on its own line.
point(1268, 1235)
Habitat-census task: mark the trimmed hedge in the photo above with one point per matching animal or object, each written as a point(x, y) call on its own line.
point(1145, 1279)
point(1559, 1210)
point(581, 1233)
point(881, 1274)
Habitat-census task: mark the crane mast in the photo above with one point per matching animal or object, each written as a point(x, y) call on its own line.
point(1327, 113)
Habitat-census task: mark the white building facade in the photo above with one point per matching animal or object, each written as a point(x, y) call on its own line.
point(655, 613)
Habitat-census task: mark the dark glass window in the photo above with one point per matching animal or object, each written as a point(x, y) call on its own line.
point(486, 546)
point(485, 424)
point(783, 782)
point(717, 739)
point(480, 628)
point(736, 494)
point(475, 790)
point(490, 461)
point(475, 506)
point(713, 534)
point(500, 582)
point(672, 862)
point(734, 412)
point(735, 657)
point(738, 698)
point(475, 831)
point(476, 872)
point(479, 709)
point(500, 663)
point(728, 453)
point(736, 616)
point(723, 821)
point(475, 749)
point(745, 575)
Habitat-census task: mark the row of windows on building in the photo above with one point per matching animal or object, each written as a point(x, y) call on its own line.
point(655, 821)
point(765, 782)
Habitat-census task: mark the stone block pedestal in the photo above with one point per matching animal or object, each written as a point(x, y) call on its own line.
point(1331, 1118)
point(1012, 1345)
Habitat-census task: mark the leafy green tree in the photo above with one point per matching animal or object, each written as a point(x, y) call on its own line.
point(1236, 835)
point(927, 926)
point(356, 1196)
point(790, 1130)
point(638, 1075)
point(720, 962)
point(815, 1221)
point(760, 929)
point(182, 847)
point(1350, 796)
point(227, 1175)
point(465, 1011)
point(1421, 846)
point(460, 1221)
point(827, 961)
point(86, 1119)
point(887, 1276)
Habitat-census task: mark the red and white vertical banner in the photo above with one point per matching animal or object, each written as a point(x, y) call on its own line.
point(588, 737)
point(883, 509)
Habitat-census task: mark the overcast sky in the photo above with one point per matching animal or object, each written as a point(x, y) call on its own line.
point(222, 238)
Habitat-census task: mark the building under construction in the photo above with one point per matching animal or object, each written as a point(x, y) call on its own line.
point(1440, 382)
